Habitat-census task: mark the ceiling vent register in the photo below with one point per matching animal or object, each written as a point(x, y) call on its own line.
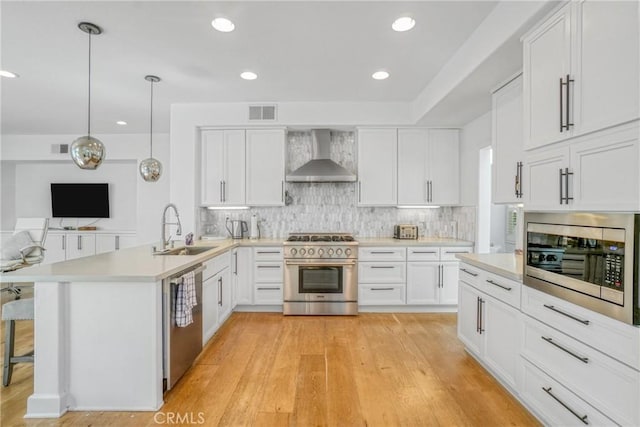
point(262, 113)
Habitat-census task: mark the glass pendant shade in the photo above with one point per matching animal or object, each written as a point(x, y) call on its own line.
point(151, 169)
point(87, 152)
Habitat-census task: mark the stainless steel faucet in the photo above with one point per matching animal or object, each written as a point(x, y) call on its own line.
point(165, 241)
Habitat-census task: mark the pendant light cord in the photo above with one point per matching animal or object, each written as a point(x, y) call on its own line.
point(151, 124)
point(89, 109)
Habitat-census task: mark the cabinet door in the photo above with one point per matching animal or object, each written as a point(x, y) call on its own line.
point(468, 318)
point(56, 248)
point(412, 166)
point(233, 186)
point(114, 242)
point(213, 158)
point(449, 283)
point(242, 277)
point(444, 160)
point(506, 141)
point(265, 167)
point(423, 282)
point(502, 330)
point(80, 245)
point(224, 295)
point(606, 69)
point(606, 173)
point(542, 180)
point(547, 55)
point(377, 167)
point(209, 308)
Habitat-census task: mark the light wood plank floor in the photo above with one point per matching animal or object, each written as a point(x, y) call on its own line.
point(264, 369)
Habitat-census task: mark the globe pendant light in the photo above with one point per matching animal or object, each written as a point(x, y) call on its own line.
point(86, 151)
point(151, 168)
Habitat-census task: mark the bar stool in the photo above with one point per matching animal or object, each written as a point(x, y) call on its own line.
point(21, 309)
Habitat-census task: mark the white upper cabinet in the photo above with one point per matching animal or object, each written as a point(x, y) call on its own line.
point(223, 167)
point(581, 71)
point(428, 167)
point(508, 155)
point(265, 167)
point(377, 167)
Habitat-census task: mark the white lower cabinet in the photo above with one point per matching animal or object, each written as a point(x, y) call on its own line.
point(80, 245)
point(382, 276)
point(62, 246)
point(209, 308)
point(216, 295)
point(242, 276)
point(114, 242)
point(268, 275)
point(55, 248)
point(423, 284)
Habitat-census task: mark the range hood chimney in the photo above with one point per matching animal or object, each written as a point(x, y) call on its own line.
point(321, 168)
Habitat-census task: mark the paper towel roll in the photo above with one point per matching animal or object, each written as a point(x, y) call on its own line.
point(255, 232)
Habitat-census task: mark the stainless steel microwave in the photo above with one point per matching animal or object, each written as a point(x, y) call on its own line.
point(589, 259)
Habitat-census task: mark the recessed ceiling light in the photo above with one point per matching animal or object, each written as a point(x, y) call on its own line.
point(9, 74)
point(248, 75)
point(380, 75)
point(404, 23)
point(121, 123)
point(223, 25)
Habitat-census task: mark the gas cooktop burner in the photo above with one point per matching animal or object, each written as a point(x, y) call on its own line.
point(320, 238)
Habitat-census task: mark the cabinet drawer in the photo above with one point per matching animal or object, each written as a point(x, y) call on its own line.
point(268, 293)
point(616, 339)
point(603, 382)
point(548, 398)
point(268, 253)
point(501, 288)
point(448, 253)
point(382, 294)
point(423, 253)
point(216, 265)
point(382, 272)
point(471, 275)
point(268, 272)
point(382, 254)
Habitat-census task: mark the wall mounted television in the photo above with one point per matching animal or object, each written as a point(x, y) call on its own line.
point(79, 200)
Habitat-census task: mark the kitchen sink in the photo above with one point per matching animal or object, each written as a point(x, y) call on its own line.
point(186, 250)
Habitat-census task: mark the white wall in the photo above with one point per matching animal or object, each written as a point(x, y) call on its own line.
point(28, 166)
point(473, 137)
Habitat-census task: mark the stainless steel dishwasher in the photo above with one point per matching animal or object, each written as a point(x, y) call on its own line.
point(181, 345)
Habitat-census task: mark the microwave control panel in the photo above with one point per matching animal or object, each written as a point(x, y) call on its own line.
point(613, 265)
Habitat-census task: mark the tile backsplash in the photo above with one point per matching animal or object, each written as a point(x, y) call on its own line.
point(331, 207)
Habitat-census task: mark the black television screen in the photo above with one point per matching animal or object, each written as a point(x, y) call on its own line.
point(80, 200)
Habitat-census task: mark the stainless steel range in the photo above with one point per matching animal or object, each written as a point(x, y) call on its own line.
point(321, 274)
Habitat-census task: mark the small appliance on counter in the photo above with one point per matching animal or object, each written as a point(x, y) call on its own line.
point(237, 228)
point(405, 232)
point(255, 228)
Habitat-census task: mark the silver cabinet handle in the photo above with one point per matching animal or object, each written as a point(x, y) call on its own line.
point(282, 192)
point(79, 242)
point(566, 184)
point(235, 268)
point(382, 266)
point(220, 291)
point(224, 191)
point(456, 252)
point(570, 316)
point(268, 252)
point(478, 314)
point(430, 191)
point(381, 289)
point(469, 272)
point(552, 342)
point(568, 124)
point(506, 288)
point(561, 190)
point(481, 319)
point(519, 180)
point(117, 243)
point(426, 190)
point(64, 242)
point(268, 266)
point(581, 418)
point(382, 252)
point(359, 191)
point(268, 288)
point(422, 252)
point(221, 192)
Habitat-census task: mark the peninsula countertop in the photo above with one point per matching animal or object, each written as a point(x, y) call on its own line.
point(506, 265)
point(136, 264)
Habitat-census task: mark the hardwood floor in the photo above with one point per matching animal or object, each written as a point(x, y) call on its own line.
point(264, 369)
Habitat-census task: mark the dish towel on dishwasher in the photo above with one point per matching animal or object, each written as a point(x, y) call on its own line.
point(186, 299)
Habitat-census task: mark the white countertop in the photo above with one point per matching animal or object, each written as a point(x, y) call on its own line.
point(422, 241)
point(137, 264)
point(506, 265)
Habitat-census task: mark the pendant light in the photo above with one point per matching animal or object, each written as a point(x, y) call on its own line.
point(86, 151)
point(151, 168)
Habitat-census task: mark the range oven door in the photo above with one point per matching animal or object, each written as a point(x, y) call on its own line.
point(320, 280)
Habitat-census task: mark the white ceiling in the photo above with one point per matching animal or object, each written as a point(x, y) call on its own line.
point(302, 51)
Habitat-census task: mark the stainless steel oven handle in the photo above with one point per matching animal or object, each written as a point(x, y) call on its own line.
point(583, 359)
point(581, 418)
point(570, 316)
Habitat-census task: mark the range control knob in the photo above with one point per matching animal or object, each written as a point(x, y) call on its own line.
point(338, 251)
point(347, 252)
point(311, 251)
point(320, 252)
point(330, 251)
point(294, 251)
point(303, 251)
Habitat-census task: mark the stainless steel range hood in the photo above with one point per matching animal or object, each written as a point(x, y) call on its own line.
point(321, 168)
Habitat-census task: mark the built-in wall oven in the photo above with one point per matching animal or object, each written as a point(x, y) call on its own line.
point(589, 259)
point(320, 275)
